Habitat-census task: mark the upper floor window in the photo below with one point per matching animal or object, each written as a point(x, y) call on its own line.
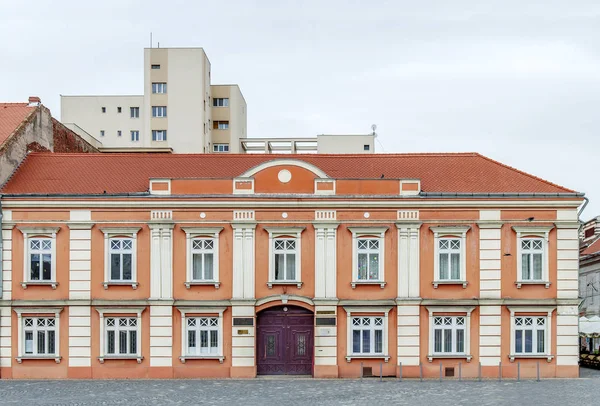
point(135, 135)
point(202, 256)
point(104, 109)
point(530, 334)
point(368, 255)
point(102, 133)
point(119, 110)
point(220, 125)
point(40, 256)
point(134, 112)
point(159, 111)
point(119, 133)
point(220, 147)
point(450, 266)
point(284, 258)
point(159, 135)
point(366, 147)
point(159, 87)
point(220, 102)
point(155, 66)
point(202, 336)
point(449, 329)
point(120, 259)
point(532, 255)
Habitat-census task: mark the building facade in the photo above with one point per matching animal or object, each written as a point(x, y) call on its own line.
point(175, 113)
point(321, 265)
point(589, 268)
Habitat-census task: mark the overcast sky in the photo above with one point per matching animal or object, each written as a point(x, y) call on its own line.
point(516, 81)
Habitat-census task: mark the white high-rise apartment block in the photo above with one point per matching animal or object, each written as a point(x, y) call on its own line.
point(180, 111)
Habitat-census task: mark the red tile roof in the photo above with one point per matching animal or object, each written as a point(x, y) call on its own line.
point(592, 248)
point(44, 173)
point(11, 116)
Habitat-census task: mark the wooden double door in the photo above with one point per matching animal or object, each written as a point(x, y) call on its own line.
point(285, 341)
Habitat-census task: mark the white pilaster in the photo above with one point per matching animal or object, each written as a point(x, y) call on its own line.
point(80, 336)
point(490, 254)
point(567, 335)
point(325, 254)
point(161, 256)
point(567, 246)
point(5, 337)
point(490, 335)
point(161, 336)
point(80, 254)
point(243, 338)
point(7, 257)
point(243, 259)
point(408, 334)
point(408, 260)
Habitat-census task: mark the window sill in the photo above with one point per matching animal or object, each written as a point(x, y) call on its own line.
point(48, 357)
point(380, 283)
point(271, 284)
point(437, 283)
point(24, 285)
point(548, 357)
point(121, 357)
point(431, 357)
point(189, 284)
point(521, 283)
point(134, 285)
point(185, 358)
point(373, 356)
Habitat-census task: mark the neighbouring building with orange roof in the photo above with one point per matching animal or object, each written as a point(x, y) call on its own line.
point(589, 268)
point(167, 265)
point(26, 127)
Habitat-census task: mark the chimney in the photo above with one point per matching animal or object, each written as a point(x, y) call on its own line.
point(34, 101)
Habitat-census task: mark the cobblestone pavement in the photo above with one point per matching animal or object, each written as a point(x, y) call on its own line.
point(287, 392)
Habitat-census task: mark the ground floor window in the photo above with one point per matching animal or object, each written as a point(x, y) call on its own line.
point(121, 336)
point(40, 335)
point(202, 335)
point(367, 335)
point(449, 335)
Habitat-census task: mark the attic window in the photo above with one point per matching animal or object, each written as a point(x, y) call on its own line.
point(589, 232)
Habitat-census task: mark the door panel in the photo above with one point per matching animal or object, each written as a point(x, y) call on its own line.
point(285, 337)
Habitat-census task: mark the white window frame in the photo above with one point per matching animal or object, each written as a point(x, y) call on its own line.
point(134, 112)
point(370, 233)
point(192, 233)
point(224, 100)
point(528, 311)
point(541, 233)
point(159, 87)
point(121, 312)
point(358, 323)
point(156, 133)
point(205, 312)
point(120, 232)
point(159, 111)
point(224, 123)
point(117, 328)
point(221, 148)
point(456, 233)
point(47, 312)
point(454, 327)
point(367, 311)
point(135, 135)
point(277, 233)
point(460, 311)
point(33, 233)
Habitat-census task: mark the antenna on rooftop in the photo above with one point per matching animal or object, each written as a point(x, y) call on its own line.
point(150, 39)
point(374, 127)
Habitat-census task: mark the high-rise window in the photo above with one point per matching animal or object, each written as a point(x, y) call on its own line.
point(156, 66)
point(220, 125)
point(159, 88)
point(134, 112)
point(220, 102)
point(159, 135)
point(135, 135)
point(159, 111)
point(220, 147)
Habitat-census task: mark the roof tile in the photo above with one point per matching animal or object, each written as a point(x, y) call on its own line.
point(11, 116)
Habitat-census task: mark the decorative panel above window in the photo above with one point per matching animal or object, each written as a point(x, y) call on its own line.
point(39, 256)
point(202, 256)
point(285, 256)
point(450, 257)
point(120, 259)
point(532, 255)
point(368, 252)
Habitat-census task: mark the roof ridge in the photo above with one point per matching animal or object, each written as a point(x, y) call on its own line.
point(295, 156)
point(526, 173)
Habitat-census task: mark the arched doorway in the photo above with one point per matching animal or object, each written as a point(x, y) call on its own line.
point(285, 341)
